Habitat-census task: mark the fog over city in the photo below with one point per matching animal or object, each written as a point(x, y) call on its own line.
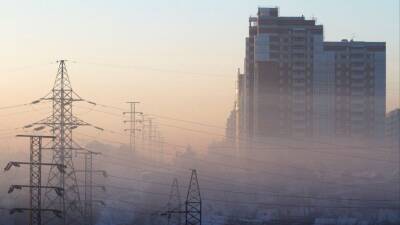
point(184, 113)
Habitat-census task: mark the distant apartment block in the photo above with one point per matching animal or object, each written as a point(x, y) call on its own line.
point(231, 125)
point(359, 88)
point(240, 105)
point(295, 84)
point(392, 131)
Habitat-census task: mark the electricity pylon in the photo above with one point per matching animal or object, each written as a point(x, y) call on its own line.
point(146, 131)
point(62, 122)
point(132, 124)
point(151, 137)
point(88, 186)
point(174, 204)
point(193, 201)
point(160, 142)
point(192, 204)
point(143, 131)
point(35, 181)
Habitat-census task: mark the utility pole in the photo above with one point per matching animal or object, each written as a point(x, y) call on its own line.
point(88, 185)
point(62, 122)
point(132, 124)
point(35, 181)
point(193, 205)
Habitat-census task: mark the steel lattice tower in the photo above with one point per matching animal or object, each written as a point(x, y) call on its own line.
point(192, 204)
point(132, 124)
point(193, 201)
point(35, 181)
point(174, 204)
point(88, 204)
point(88, 186)
point(62, 122)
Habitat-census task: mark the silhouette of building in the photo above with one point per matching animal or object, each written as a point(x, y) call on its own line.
point(359, 88)
point(240, 104)
point(297, 85)
point(392, 130)
point(231, 125)
point(279, 73)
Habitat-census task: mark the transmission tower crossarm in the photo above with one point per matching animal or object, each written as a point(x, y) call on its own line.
point(59, 191)
point(20, 186)
point(34, 135)
point(35, 180)
point(18, 164)
point(43, 164)
point(74, 122)
point(13, 210)
point(165, 213)
point(62, 122)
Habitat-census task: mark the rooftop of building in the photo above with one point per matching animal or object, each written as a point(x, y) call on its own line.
point(351, 42)
point(270, 16)
point(344, 44)
point(268, 11)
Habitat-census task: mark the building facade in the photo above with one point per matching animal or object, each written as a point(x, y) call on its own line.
point(359, 88)
point(297, 85)
point(231, 125)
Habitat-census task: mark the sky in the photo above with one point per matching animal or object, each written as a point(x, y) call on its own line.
point(178, 58)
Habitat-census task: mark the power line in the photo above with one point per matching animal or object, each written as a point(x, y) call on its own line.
point(62, 122)
point(21, 105)
point(166, 195)
point(186, 73)
point(268, 172)
point(88, 186)
point(266, 142)
point(35, 185)
point(14, 106)
point(288, 146)
point(22, 112)
point(251, 185)
point(174, 204)
point(246, 169)
point(220, 127)
point(132, 124)
point(270, 193)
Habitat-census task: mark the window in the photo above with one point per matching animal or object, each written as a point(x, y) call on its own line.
point(274, 47)
point(274, 38)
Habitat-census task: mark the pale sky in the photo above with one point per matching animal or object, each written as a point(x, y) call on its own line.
point(179, 58)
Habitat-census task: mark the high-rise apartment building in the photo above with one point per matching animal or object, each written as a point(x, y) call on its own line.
point(279, 70)
point(359, 88)
point(297, 85)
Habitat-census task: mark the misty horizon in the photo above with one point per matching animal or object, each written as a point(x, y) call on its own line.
point(253, 113)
